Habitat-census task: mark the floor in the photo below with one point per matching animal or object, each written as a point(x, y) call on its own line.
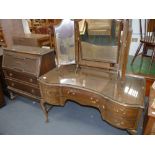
point(22, 116)
point(141, 66)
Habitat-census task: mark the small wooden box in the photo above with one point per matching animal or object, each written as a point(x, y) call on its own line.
point(36, 40)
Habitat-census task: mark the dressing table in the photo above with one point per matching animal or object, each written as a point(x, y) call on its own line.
point(93, 74)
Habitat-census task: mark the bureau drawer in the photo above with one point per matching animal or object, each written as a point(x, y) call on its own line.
point(20, 62)
point(24, 87)
point(20, 76)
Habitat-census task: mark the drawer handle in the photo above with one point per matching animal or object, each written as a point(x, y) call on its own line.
point(32, 90)
point(31, 80)
point(12, 84)
point(122, 123)
point(19, 58)
point(22, 70)
point(10, 74)
point(94, 101)
point(71, 93)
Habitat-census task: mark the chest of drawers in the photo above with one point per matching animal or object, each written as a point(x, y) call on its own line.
point(22, 65)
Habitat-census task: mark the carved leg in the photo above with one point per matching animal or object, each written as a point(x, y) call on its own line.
point(132, 132)
point(152, 59)
point(12, 95)
point(42, 103)
point(137, 52)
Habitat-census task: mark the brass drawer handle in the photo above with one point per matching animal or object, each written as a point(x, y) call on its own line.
point(10, 74)
point(122, 123)
point(12, 84)
point(19, 69)
point(31, 80)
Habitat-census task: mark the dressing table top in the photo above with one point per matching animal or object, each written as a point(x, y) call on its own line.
point(129, 92)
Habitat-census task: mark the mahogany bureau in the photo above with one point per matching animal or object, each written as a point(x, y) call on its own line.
point(22, 65)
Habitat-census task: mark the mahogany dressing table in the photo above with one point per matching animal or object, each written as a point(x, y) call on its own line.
point(94, 75)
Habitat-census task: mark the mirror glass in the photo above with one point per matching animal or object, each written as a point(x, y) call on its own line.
point(65, 44)
point(99, 39)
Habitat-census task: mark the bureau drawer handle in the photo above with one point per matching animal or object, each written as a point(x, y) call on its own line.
point(19, 58)
point(21, 70)
point(122, 123)
point(31, 80)
point(12, 84)
point(32, 90)
point(10, 74)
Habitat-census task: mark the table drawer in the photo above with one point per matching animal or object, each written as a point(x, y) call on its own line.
point(21, 76)
point(119, 121)
point(82, 96)
point(121, 110)
point(23, 87)
point(51, 94)
point(22, 63)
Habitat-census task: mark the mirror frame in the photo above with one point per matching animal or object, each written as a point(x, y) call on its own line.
point(123, 50)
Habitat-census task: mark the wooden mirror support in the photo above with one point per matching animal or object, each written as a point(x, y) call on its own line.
point(114, 54)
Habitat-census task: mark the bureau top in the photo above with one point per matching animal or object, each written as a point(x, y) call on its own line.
point(29, 50)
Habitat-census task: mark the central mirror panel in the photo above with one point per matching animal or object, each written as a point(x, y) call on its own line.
point(100, 40)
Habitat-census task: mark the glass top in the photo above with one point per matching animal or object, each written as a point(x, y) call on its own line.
point(131, 91)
